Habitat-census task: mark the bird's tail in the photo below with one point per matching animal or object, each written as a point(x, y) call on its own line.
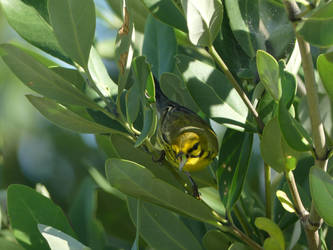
point(161, 100)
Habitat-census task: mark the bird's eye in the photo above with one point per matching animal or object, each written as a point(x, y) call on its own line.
point(194, 147)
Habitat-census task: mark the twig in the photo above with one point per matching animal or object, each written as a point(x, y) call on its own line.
point(268, 191)
point(235, 84)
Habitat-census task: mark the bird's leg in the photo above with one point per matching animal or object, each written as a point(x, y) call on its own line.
point(160, 158)
point(182, 163)
point(195, 189)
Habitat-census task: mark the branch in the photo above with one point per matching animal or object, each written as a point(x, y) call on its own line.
point(235, 84)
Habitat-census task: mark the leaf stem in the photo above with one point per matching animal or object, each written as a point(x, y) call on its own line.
point(313, 222)
point(241, 219)
point(245, 238)
point(235, 84)
point(268, 191)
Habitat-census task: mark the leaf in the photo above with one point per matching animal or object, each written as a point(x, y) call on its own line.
point(244, 22)
point(204, 19)
point(74, 26)
point(272, 229)
point(234, 159)
point(268, 70)
point(65, 118)
point(288, 85)
point(149, 125)
point(285, 201)
point(159, 46)
point(100, 75)
point(9, 244)
point(59, 240)
point(274, 150)
point(213, 93)
point(293, 132)
point(124, 47)
point(325, 69)
point(137, 10)
point(321, 187)
point(41, 79)
point(135, 180)
point(211, 197)
point(27, 209)
point(316, 29)
point(161, 228)
point(215, 240)
point(31, 22)
point(167, 12)
point(260, 25)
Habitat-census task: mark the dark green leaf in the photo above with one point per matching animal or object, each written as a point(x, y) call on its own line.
point(27, 209)
point(211, 197)
point(268, 69)
point(204, 19)
point(321, 186)
point(234, 159)
point(293, 132)
point(66, 118)
point(41, 79)
point(74, 26)
point(135, 180)
point(213, 93)
point(316, 29)
point(161, 228)
point(159, 46)
point(244, 22)
point(9, 244)
point(167, 12)
point(149, 125)
point(288, 85)
point(31, 21)
point(273, 147)
point(215, 240)
point(325, 69)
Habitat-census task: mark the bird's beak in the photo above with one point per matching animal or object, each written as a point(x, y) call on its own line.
point(183, 160)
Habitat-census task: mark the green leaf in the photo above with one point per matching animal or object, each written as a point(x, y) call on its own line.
point(74, 26)
point(215, 240)
point(135, 180)
point(321, 187)
point(272, 229)
point(211, 197)
point(316, 29)
point(82, 212)
point(288, 86)
point(285, 201)
point(159, 46)
point(137, 11)
point(244, 22)
point(161, 228)
point(204, 19)
point(167, 12)
point(274, 150)
point(59, 240)
point(9, 244)
point(325, 69)
point(126, 150)
point(149, 125)
point(239, 246)
point(124, 49)
point(31, 22)
point(260, 25)
point(66, 118)
point(271, 244)
point(100, 75)
point(174, 88)
point(234, 158)
point(143, 76)
point(27, 209)
point(268, 69)
point(213, 93)
point(293, 132)
point(41, 79)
